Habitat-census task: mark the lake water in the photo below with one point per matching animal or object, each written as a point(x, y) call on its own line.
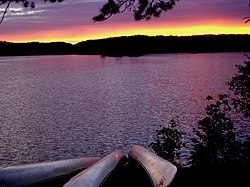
point(60, 107)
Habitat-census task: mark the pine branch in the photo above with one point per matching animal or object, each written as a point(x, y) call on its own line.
point(5, 11)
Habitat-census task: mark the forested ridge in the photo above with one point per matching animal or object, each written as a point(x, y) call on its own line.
point(133, 46)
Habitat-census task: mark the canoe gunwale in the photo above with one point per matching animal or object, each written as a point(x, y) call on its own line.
point(160, 171)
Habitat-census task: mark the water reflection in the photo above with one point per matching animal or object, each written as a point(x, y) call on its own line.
point(58, 107)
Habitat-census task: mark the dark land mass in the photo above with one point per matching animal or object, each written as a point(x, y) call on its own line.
point(35, 48)
point(133, 46)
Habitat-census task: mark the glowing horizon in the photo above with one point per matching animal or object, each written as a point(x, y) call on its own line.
point(50, 23)
point(62, 36)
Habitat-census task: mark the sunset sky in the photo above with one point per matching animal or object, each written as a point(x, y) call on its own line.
point(71, 21)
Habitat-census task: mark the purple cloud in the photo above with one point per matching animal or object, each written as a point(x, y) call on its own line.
point(69, 14)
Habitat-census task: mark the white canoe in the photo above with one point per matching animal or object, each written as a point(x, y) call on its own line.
point(160, 171)
point(27, 175)
point(95, 175)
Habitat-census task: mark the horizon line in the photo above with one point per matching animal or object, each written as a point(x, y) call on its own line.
point(73, 43)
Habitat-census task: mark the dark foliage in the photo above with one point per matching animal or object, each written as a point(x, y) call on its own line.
point(216, 143)
point(168, 142)
point(240, 84)
point(218, 158)
point(141, 45)
point(35, 48)
point(142, 9)
point(134, 46)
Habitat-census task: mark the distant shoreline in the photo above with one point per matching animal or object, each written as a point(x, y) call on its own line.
point(132, 46)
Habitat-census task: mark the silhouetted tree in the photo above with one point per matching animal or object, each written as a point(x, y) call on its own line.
point(143, 9)
point(240, 84)
point(215, 143)
point(168, 142)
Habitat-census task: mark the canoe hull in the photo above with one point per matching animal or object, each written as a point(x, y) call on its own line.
point(36, 174)
point(96, 175)
point(161, 172)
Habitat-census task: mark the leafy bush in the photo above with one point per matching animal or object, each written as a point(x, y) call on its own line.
point(168, 142)
point(240, 84)
point(216, 142)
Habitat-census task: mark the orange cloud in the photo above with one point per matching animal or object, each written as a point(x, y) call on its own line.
point(97, 31)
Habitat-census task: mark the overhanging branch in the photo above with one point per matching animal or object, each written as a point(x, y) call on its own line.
point(5, 11)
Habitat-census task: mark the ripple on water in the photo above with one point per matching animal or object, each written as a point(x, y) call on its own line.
point(59, 107)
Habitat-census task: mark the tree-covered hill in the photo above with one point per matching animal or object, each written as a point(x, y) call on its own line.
point(133, 46)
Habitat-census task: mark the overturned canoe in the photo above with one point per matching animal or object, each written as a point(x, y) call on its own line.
point(160, 172)
point(141, 168)
point(96, 175)
point(41, 174)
